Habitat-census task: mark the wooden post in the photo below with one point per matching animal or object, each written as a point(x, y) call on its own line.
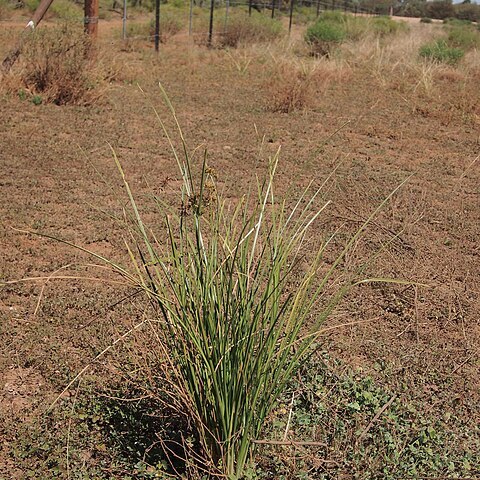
point(249, 8)
point(91, 17)
point(273, 8)
point(318, 8)
point(39, 13)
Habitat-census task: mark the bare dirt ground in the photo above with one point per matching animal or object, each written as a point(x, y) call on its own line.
point(56, 162)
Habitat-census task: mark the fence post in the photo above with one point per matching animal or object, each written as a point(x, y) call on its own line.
point(91, 17)
point(333, 5)
point(249, 8)
point(227, 5)
point(157, 25)
point(318, 8)
point(124, 20)
point(291, 16)
point(273, 8)
point(210, 27)
point(190, 18)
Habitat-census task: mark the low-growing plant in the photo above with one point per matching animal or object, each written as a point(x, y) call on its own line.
point(440, 51)
point(426, 20)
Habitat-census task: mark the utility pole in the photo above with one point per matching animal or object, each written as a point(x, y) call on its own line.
point(91, 17)
point(11, 58)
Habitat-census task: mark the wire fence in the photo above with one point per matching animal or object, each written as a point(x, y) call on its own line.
point(215, 9)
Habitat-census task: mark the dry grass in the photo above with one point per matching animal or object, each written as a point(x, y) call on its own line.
point(58, 65)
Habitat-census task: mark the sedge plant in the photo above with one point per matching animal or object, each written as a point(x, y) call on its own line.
point(236, 309)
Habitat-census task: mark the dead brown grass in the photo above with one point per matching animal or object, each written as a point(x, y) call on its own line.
point(58, 65)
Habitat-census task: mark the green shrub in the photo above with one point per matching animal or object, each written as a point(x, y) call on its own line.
point(324, 36)
point(333, 16)
point(441, 52)
point(456, 21)
point(385, 25)
point(425, 20)
point(463, 37)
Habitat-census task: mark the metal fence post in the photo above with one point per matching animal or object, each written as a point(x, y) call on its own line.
point(210, 27)
point(124, 20)
point(190, 18)
point(291, 16)
point(227, 6)
point(157, 25)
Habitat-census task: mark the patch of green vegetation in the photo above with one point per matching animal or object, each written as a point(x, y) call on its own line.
point(333, 27)
point(439, 51)
point(463, 37)
point(384, 25)
point(456, 22)
point(362, 429)
point(323, 36)
point(426, 20)
point(369, 432)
